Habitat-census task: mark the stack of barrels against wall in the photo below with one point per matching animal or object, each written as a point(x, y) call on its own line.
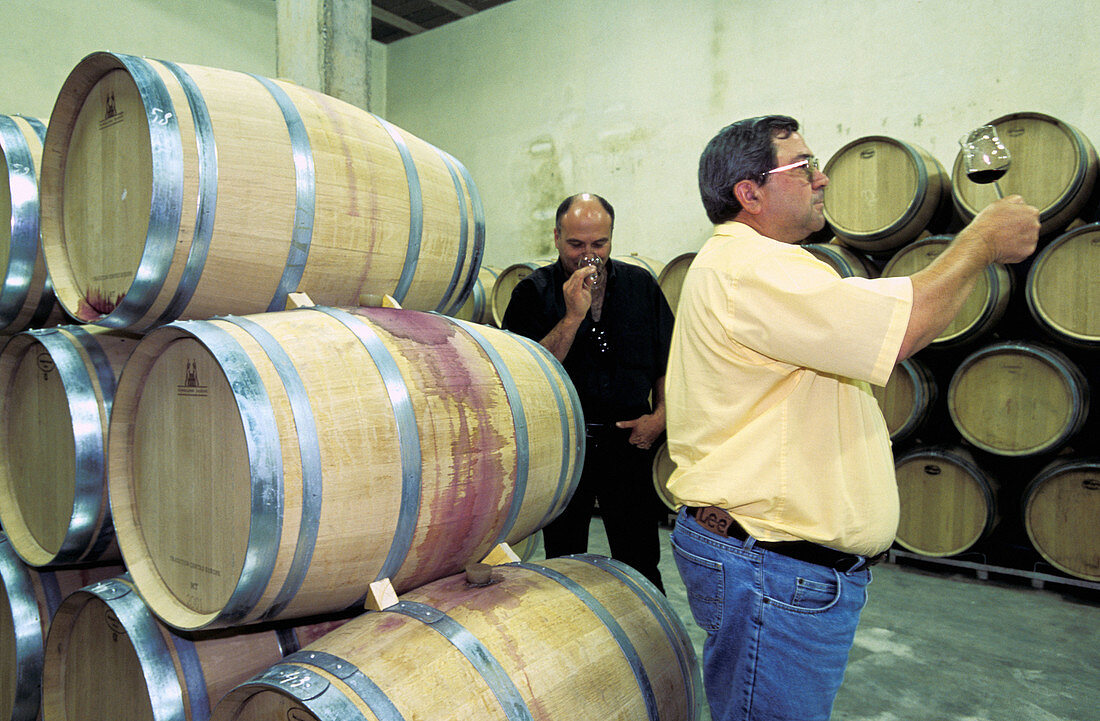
point(262, 432)
point(994, 444)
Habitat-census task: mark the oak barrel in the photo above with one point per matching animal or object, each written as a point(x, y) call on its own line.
point(982, 309)
point(655, 267)
point(883, 192)
point(29, 597)
point(1053, 168)
point(478, 307)
point(574, 637)
point(1061, 506)
point(26, 294)
point(948, 503)
point(907, 398)
point(56, 391)
point(109, 657)
point(671, 278)
point(848, 263)
point(663, 466)
point(1018, 399)
point(1061, 290)
point(507, 281)
point(338, 448)
point(180, 191)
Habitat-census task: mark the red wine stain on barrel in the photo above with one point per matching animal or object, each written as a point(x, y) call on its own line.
point(464, 504)
point(94, 306)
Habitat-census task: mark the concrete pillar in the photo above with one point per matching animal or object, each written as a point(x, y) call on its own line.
point(326, 45)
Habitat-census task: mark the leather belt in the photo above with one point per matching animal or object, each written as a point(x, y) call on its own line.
point(719, 521)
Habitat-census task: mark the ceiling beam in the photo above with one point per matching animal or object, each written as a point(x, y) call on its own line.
point(396, 20)
point(458, 8)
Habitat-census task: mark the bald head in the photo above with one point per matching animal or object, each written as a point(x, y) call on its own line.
point(583, 206)
point(583, 228)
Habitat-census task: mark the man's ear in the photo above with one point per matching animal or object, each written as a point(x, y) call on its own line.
point(747, 194)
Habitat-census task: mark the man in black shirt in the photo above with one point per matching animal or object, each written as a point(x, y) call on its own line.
point(610, 326)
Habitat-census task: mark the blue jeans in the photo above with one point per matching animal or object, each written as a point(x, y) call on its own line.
point(778, 629)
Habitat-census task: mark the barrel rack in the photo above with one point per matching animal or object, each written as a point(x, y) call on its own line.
point(983, 569)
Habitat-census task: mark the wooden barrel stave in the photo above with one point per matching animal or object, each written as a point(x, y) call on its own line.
point(58, 389)
point(478, 307)
point(948, 503)
point(541, 640)
point(662, 471)
point(1014, 398)
point(294, 190)
point(883, 192)
point(29, 598)
point(907, 399)
point(26, 294)
point(982, 309)
point(507, 281)
point(397, 410)
point(109, 657)
point(1053, 167)
point(1060, 507)
point(848, 263)
point(671, 278)
point(1061, 292)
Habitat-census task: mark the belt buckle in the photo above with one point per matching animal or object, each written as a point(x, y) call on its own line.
point(861, 562)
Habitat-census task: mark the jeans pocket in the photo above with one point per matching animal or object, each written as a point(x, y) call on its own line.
point(809, 593)
point(704, 580)
point(806, 594)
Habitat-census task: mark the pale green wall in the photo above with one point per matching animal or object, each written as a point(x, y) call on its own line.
point(379, 62)
point(43, 40)
point(541, 98)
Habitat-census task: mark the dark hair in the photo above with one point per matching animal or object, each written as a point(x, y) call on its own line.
point(568, 203)
point(744, 150)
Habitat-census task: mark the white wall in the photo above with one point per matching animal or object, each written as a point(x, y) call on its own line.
point(542, 98)
point(43, 40)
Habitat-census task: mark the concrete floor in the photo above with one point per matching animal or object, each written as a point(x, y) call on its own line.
point(941, 645)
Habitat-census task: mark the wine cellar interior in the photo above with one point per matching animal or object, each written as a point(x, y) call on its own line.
point(267, 453)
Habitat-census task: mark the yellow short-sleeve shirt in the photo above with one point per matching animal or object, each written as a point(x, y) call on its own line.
point(769, 408)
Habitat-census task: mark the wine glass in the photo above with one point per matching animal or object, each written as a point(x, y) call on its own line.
point(986, 157)
point(594, 262)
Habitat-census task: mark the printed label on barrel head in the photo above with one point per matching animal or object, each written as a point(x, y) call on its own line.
point(1091, 484)
point(112, 276)
point(114, 624)
point(931, 469)
point(196, 566)
point(111, 114)
point(45, 364)
point(191, 385)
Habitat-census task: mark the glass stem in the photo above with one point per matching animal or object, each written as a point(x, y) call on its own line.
point(997, 187)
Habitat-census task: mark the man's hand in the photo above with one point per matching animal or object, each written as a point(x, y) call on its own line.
point(644, 429)
point(1009, 229)
point(1006, 231)
point(578, 294)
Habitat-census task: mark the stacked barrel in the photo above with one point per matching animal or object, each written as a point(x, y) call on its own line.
point(994, 442)
point(269, 411)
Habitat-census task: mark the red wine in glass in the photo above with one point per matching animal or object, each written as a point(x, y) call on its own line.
point(986, 157)
point(983, 177)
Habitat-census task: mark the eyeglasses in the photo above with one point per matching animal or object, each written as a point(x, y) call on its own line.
point(811, 164)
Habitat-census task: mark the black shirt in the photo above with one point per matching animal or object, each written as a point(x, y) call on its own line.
point(614, 363)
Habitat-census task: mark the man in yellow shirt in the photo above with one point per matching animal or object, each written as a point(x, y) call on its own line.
point(784, 467)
